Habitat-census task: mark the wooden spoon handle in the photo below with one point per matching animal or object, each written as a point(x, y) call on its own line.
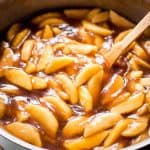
point(118, 48)
point(137, 30)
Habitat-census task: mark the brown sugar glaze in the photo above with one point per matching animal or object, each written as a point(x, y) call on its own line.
point(70, 30)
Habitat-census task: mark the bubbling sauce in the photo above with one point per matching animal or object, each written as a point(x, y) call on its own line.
point(54, 65)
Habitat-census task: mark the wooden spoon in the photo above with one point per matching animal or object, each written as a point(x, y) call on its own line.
point(119, 48)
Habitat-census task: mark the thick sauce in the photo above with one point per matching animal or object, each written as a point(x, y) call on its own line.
point(69, 36)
